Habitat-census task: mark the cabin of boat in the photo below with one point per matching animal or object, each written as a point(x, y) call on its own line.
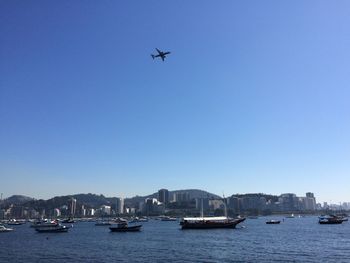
point(209, 222)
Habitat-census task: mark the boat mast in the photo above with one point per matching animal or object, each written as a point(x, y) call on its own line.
point(202, 214)
point(225, 205)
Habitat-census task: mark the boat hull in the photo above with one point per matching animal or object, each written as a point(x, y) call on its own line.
point(330, 222)
point(273, 222)
point(126, 228)
point(52, 230)
point(211, 224)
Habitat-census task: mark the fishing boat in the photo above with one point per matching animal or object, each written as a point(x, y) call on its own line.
point(124, 227)
point(4, 229)
point(273, 222)
point(330, 220)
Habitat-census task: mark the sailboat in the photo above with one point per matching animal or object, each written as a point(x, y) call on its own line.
point(210, 221)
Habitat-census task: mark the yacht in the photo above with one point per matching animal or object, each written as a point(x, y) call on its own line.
point(5, 229)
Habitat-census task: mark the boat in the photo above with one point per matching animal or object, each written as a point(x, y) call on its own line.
point(210, 222)
point(290, 216)
point(124, 227)
point(68, 221)
point(44, 223)
point(272, 221)
point(103, 223)
point(253, 217)
point(52, 229)
point(137, 220)
point(168, 218)
point(330, 220)
point(4, 229)
point(14, 222)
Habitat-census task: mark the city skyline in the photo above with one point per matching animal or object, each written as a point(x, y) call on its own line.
point(167, 197)
point(253, 98)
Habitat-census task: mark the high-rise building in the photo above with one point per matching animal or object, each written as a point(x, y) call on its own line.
point(288, 202)
point(106, 210)
point(233, 203)
point(310, 195)
point(120, 206)
point(202, 204)
point(163, 196)
point(310, 201)
point(182, 197)
point(72, 206)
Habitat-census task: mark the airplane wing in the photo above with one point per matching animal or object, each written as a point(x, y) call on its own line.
point(158, 51)
point(166, 53)
point(163, 57)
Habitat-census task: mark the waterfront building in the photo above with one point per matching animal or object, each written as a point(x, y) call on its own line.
point(152, 206)
point(106, 210)
point(253, 202)
point(163, 196)
point(289, 202)
point(83, 211)
point(120, 206)
point(233, 203)
point(202, 202)
point(90, 212)
point(72, 206)
point(2, 214)
point(17, 212)
point(182, 197)
point(216, 204)
point(310, 202)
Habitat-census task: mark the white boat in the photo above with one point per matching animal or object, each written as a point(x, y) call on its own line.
point(5, 229)
point(168, 218)
point(44, 223)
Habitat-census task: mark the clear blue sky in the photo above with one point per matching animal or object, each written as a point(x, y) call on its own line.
point(254, 97)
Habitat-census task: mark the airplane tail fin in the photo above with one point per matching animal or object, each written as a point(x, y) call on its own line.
point(152, 56)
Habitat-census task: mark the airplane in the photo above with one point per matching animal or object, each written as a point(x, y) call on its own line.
point(161, 54)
